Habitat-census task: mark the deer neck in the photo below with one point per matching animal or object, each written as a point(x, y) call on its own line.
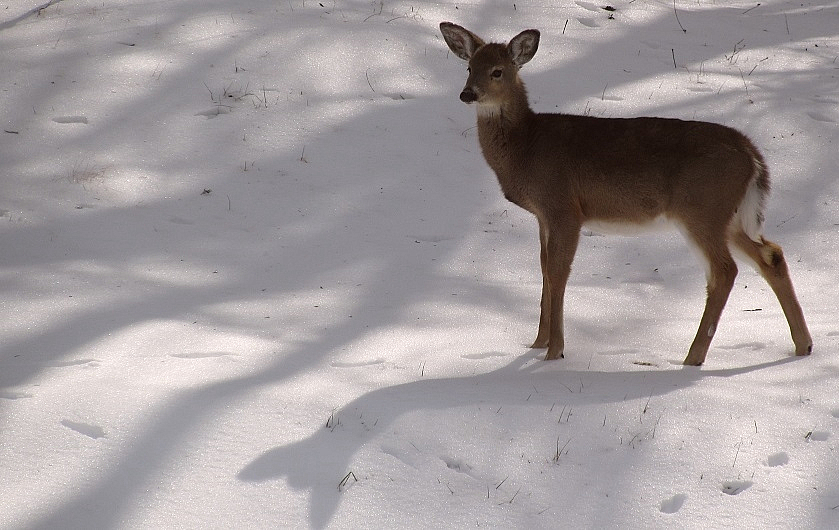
point(503, 132)
point(502, 125)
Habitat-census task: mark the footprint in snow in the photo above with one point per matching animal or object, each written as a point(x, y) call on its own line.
point(459, 465)
point(91, 431)
point(201, 355)
point(818, 116)
point(357, 364)
point(817, 436)
point(777, 459)
point(588, 22)
point(674, 503)
point(736, 487)
point(87, 363)
point(835, 413)
point(410, 458)
point(589, 6)
point(214, 112)
point(70, 119)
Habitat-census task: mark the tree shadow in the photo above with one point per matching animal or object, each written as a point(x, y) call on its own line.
point(270, 239)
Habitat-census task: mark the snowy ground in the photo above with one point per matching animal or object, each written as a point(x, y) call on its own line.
point(255, 273)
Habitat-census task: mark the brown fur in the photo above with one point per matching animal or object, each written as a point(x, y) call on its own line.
point(569, 170)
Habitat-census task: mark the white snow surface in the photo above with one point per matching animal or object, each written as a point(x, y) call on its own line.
point(255, 273)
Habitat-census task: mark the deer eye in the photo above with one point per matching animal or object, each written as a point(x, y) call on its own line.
point(496, 74)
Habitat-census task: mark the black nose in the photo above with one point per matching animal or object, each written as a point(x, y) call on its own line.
point(468, 96)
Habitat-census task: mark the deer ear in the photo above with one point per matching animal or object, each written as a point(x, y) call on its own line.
point(461, 41)
point(523, 46)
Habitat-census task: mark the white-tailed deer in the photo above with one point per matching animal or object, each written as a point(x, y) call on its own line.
point(707, 179)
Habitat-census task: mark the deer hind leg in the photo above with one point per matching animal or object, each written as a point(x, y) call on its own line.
point(769, 259)
point(720, 273)
point(543, 336)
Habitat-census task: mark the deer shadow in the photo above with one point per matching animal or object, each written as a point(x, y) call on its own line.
point(318, 462)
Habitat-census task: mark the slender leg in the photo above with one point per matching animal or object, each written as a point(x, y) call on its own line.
point(769, 259)
point(721, 273)
point(561, 247)
point(542, 337)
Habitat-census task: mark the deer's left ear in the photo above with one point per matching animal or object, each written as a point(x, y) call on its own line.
point(461, 41)
point(523, 46)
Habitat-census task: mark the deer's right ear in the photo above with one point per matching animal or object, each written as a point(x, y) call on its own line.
point(461, 41)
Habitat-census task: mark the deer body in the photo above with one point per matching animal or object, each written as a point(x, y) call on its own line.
point(707, 179)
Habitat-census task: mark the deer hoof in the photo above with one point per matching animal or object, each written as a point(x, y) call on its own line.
point(552, 355)
point(540, 343)
point(692, 360)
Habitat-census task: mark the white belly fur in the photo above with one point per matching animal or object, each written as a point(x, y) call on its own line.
point(623, 228)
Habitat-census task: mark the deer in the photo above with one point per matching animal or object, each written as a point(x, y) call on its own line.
point(616, 174)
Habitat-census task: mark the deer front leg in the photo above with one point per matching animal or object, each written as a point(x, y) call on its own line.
point(561, 245)
point(721, 273)
point(543, 336)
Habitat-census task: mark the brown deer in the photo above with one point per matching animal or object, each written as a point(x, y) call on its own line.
point(708, 180)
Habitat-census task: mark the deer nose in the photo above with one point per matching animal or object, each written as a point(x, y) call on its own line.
point(468, 95)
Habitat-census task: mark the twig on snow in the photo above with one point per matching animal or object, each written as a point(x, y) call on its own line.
point(344, 481)
point(677, 18)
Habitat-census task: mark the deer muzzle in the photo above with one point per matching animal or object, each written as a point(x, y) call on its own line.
point(468, 95)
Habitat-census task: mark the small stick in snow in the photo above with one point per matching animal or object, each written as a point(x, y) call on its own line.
point(646, 408)
point(758, 64)
point(514, 496)
point(332, 422)
point(559, 450)
point(367, 76)
point(744, 83)
point(737, 453)
point(343, 484)
point(677, 18)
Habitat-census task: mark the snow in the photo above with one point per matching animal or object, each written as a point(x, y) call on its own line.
point(255, 273)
